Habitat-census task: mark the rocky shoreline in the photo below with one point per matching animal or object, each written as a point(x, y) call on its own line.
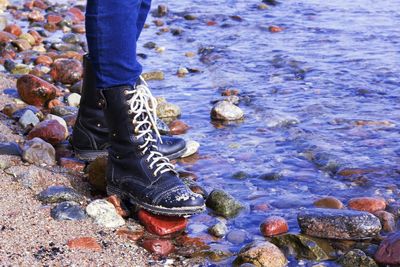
point(54, 207)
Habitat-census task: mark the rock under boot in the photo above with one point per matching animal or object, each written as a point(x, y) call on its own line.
point(136, 169)
point(90, 134)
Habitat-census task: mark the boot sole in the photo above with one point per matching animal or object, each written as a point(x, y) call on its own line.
point(91, 155)
point(112, 190)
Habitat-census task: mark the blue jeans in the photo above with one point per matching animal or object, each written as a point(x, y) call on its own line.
point(112, 30)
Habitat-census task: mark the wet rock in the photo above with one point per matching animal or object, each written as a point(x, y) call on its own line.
point(275, 29)
point(104, 214)
point(38, 151)
point(218, 230)
point(162, 10)
point(68, 211)
point(223, 204)
point(86, 243)
point(97, 174)
point(226, 111)
point(153, 76)
point(10, 148)
point(339, 224)
point(43, 60)
point(191, 148)
point(68, 71)
point(356, 257)
point(237, 236)
point(261, 253)
point(387, 220)
point(270, 176)
point(74, 99)
point(394, 208)
point(35, 91)
point(162, 247)
point(305, 247)
point(161, 225)
point(178, 127)
point(50, 131)
point(59, 193)
point(131, 234)
point(28, 120)
point(370, 204)
point(167, 110)
point(329, 203)
point(388, 251)
point(274, 225)
point(182, 72)
point(116, 201)
point(64, 111)
point(72, 164)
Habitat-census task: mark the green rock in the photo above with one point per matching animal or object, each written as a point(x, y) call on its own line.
point(356, 257)
point(223, 204)
point(305, 247)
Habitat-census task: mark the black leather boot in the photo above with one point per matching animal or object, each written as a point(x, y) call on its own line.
point(136, 169)
point(90, 135)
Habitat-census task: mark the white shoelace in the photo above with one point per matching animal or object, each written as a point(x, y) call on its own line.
point(144, 105)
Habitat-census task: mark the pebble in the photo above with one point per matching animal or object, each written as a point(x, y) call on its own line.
point(223, 204)
point(59, 193)
point(35, 91)
point(104, 214)
point(218, 230)
point(72, 164)
point(10, 148)
point(261, 253)
point(388, 251)
point(153, 76)
point(117, 203)
point(329, 203)
point(86, 243)
point(14, 29)
point(38, 151)
point(64, 111)
point(162, 247)
point(178, 127)
point(68, 211)
point(97, 174)
point(274, 225)
point(339, 224)
point(226, 111)
point(161, 225)
point(370, 204)
point(356, 257)
point(28, 120)
point(60, 120)
point(74, 100)
point(167, 110)
point(67, 71)
point(191, 148)
point(50, 131)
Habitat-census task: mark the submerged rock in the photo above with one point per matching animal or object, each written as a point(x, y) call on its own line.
point(37, 151)
point(104, 214)
point(370, 204)
point(223, 204)
point(59, 193)
point(305, 247)
point(261, 253)
point(68, 211)
point(329, 203)
point(218, 230)
point(226, 111)
point(356, 257)
point(339, 224)
point(274, 225)
point(162, 247)
point(389, 250)
point(35, 91)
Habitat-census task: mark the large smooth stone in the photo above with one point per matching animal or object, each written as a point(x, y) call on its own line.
point(35, 91)
point(104, 214)
point(223, 204)
point(38, 151)
point(339, 224)
point(226, 111)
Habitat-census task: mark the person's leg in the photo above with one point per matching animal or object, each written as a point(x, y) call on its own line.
point(144, 11)
point(111, 34)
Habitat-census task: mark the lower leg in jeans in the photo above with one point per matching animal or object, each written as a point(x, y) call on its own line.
point(111, 31)
point(144, 11)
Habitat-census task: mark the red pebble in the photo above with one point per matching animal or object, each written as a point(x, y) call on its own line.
point(274, 225)
point(161, 225)
point(160, 247)
point(84, 243)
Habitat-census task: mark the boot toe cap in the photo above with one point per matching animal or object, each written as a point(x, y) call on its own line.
point(181, 198)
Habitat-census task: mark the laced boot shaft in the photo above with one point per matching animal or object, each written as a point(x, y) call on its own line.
point(136, 169)
point(90, 135)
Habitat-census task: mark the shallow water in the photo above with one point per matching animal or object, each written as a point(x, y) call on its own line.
point(303, 90)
